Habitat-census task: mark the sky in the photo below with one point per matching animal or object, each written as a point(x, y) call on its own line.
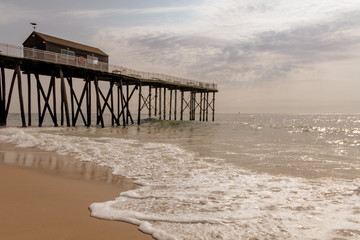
point(266, 56)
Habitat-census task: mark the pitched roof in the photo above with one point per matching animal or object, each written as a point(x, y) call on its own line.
point(75, 45)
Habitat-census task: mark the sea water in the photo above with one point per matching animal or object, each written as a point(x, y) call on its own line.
point(243, 176)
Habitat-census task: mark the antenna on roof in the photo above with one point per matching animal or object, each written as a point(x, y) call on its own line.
point(34, 25)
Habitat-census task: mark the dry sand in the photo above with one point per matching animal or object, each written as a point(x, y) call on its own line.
point(44, 195)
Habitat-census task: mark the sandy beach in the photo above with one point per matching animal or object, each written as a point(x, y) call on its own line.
point(46, 196)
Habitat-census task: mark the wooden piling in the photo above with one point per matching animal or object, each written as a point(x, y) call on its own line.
point(118, 100)
point(164, 103)
point(175, 107)
point(156, 101)
point(3, 87)
point(182, 105)
point(159, 103)
point(88, 101)
point(29, 98)
point(149, 101)
point(10, 94)
point(190, 105)
point(78, 102)
point(204, 106)
point(64, 102)
point(98, 105)
point(122, 103)
point(38, 96)
point(69, 79)
point(207, 105)
point(200, 106)
point(170, 111)
point(213, 108)
point(139, 108)
point(2, 97)
point(53, 82)
point(112, 106)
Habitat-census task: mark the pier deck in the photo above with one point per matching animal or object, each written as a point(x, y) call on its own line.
point(120, 79)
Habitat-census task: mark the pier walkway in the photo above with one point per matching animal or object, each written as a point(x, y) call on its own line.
point(114, 89)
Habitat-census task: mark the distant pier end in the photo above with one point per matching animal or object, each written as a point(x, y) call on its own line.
point(110, 90)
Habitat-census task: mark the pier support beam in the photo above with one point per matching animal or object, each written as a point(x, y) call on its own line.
point(121, 95)
point(127, 100)
point(21, 100)
point(140, 104)
point(192, 105)
point(46, 98)
point(155, 100)
point(2, 97)
point(53, 78)
point(109, 106)
point(75, 113)
point(99, 115)
point(149, 101)
point(200, 106)
point(64, 102)
point(164, 103)
point(182, 105)
point(125, 104)
point(88, 101)
point(160, 103)
point(171, 97)
point(213, 108)
point(5, 107)
point(175, 107)
point(29, 98)
point(207, 106)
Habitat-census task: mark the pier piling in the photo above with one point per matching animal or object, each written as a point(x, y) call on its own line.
point(113, 101)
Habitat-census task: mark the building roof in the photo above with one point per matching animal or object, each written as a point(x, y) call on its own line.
point(71, 44)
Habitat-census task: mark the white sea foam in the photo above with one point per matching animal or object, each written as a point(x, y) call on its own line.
point(187, 196)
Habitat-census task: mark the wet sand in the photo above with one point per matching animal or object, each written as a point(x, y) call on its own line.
point(44, 195)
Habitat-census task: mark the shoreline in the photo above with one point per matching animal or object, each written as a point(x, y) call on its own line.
point(45, 195)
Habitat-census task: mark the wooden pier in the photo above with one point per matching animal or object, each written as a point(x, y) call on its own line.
point(106, 88)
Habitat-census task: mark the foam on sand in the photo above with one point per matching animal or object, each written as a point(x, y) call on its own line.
point(186, 196)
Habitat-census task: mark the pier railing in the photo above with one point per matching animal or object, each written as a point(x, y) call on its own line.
point(47, 56)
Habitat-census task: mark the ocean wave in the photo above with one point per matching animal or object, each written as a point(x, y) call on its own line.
point(184, 195)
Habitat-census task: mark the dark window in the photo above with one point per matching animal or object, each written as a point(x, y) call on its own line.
point(64, 53)
point(67, 54)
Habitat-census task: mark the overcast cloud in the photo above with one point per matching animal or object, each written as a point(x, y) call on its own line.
point(263, 54)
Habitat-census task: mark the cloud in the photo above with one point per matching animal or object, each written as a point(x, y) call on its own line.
point(266, 56)
point(240, 43)
point(10, 13)
point(96, 13)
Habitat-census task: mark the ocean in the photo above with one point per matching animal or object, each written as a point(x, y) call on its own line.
point(244, 176)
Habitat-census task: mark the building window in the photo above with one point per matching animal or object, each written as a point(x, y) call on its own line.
point(92, 59)
point(63, 53)
point(67, 54)
point(71, 55)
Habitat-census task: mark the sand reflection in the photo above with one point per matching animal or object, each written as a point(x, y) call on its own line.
point(57, 164)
